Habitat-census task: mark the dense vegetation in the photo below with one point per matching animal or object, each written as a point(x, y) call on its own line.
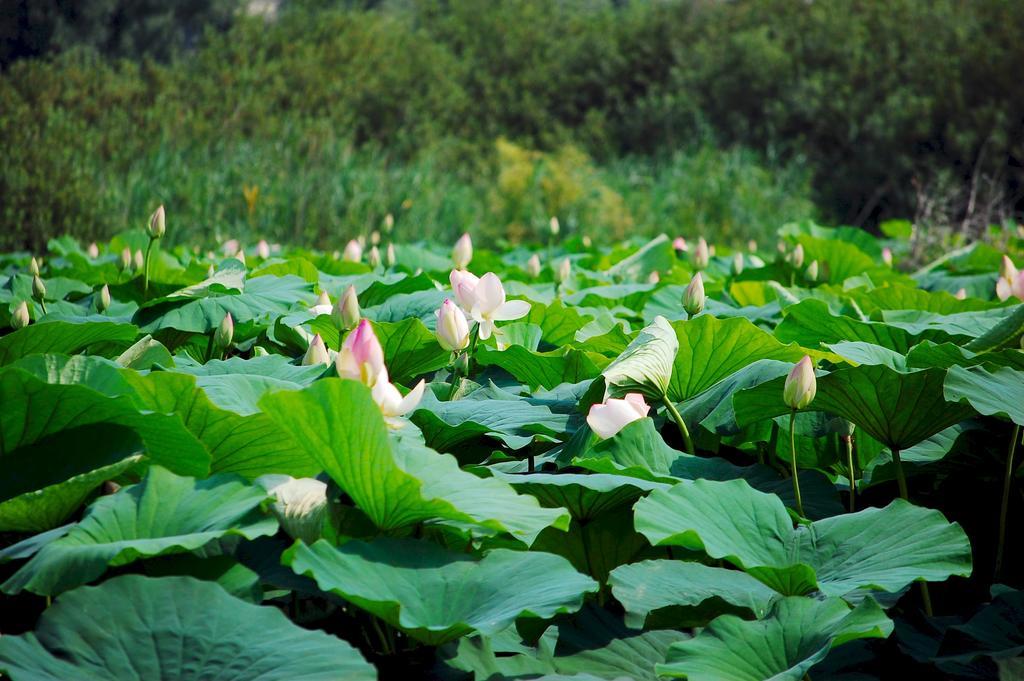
point(639, 116)
point(655, 459)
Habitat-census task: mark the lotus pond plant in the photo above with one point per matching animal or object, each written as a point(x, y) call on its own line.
point(646, 460)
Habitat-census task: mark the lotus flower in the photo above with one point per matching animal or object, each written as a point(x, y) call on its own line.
point(653, 277)
point(373, 258)
point(752, 246)
point(484, 298)
point(38, 288)
point(797, 257)
point(554, 226)
point(609, 418)
point(961, 294)
point(452, 327)
point(737, 264)
point(93, 251)
point(693, 297)
point(299, 506)
point(812, 271)
point(138, 260)
point(390, 259)
point(801, 385)
point(887, 256)
point(157, 223)
point(462, 253)
point(346, 311)
point(316, 353)
point(20, 317)
point(390, 400)
point(103, 299)
point(353, 252)
point(1003, 289)
point(389, 223)
point(701, 254)
point(230, 247)
point(361, 357)
point(1007, 270)
point(533, 266)
point(33, 267)
point(263, 249)
point(323, 304)
point(679, 245)
point(126, 259)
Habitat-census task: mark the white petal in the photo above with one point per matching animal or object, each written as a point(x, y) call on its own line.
point(412, 400)
point(513, 309)
point(608, 419)
point(489, 293)
point(485, 329)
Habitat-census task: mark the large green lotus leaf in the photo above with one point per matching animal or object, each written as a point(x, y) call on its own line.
point(861, 352)
point(711, 349)
point(927, 355)
point(961, 326)
point(248, 445)
point(646, 364)
point(900, 297)
point(995, 633)
point(436, 595)
point(639, 451)
point(46, 508)
point(238, 384)
point(594, 644)
point(838, 260)
point(713, 408)
point(229, 277)
point(657, 255)
point(543, 369)
point(100, 374)
point(630, 296)
point(410, 349)
point(558, 323)
point(203, 311)
point(856, 236)
point(1006, 333)
point(162, 514)
point(810, 323)
point(65, 337)
point(42, 426)
point(897, 409)
point(883, 549)
point(797, 634)
point(667, 590)
point(584, 496)
point(599, 544)
point(396, 481)
point(418, 305)
point(145, 354)
point(173, 629)
point(300, 267)
point(447, 426)
point(1000, 392)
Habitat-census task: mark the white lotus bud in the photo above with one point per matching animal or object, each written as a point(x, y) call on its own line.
point(374, 238)
point(316, 353)
point(961, 294)
point(263, 249)
point(126, 259)
point(225, 333)
point(452, 327)
point(346, 310)
point(353, 252)
point(812, 271)
point(693, 297)
point(33, 267)
point(240, 256)
point(390, 257)
point(300, 504)
point(533, 266)
point(554, 226)
point(38, 288)
point(587, 241)
point(138, 260)
point(737, 264)
point(157, 223)
point(20, 317)
point(701, 254)
point(563, 271)
point(801, 385)
point(373, 257)
point(93, 251)
point(103, 299)
point(389, 223)
point(887, 256)
point(797, 257)
point(462, 252)
point(752, 246)
point(1007, 270)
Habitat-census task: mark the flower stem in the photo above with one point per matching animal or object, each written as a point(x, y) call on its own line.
point(683, 430)
point(1004, 506)
point(901, 480)
point(145, 280)
point(456, 375)
point(848, 439)
point(792, 463)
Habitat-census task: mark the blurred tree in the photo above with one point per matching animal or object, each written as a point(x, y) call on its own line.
point(118, 28)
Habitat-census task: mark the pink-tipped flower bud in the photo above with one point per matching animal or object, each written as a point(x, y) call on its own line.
point(452, 327)
point(801, 385)
point(533, 266)
point(157, 223)
point(225, 333)
point(103, 299)
point(462, 252)
point(353, 252)
point(20, 317)
point(694, 297)
point(316, 353)
point(361, 357)
point(346, 311)
point(701, 254)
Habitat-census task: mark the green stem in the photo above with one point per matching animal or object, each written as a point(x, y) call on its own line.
point(901, 481)
point(1004, 506)
point(683, 430)
point(145, 280)
point(773, 442)
point(792, 463)
point(456, 380)
point(853, 479)
point(456, 375)
point(42, 305)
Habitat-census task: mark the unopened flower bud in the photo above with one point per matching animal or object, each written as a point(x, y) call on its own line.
point(801, 385)
point(225, 333)
point(126, 259)
point(38, 288)
point(553, 226)
point(93, 251)
point(353, 252)
point(389, 223)
point(701, 255)
point(693, 297)
point(390, 257)
point(374, 238)
point(462, 364)
point(240, 256)
point(373, 257)
point(961, 294)
point(452, 328)
point(563, 271)
point(752, 246)
point(103, 299)
point(1007, 270)
point(316, 353)
point(157, 223)
point(679, 245)
point(797, 258)
point(533, 266)
point(20, 317)
point(346, 310)
point(138, 260)
point(263, 249)
point(462, 252)
point(653, 277)
point(737, 264)
point(33, 267)
point(812, 271)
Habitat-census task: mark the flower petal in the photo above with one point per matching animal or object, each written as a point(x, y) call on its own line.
point(513, 309)
point(489, 294)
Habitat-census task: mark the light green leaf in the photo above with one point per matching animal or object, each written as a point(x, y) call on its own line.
point(999, 392)
point(646, 364)
point(64, 337)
